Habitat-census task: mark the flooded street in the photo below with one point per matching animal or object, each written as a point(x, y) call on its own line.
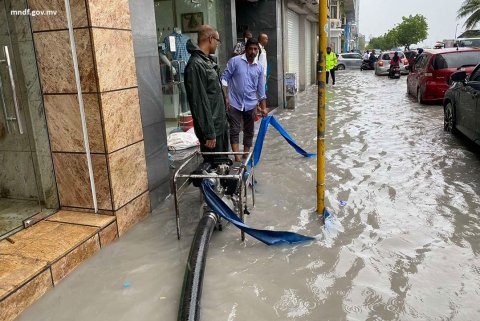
point(403, 244)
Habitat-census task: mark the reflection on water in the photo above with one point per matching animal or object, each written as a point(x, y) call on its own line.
point(408, 236)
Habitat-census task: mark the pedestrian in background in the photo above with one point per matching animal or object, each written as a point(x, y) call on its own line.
point(244, 85)
point(262, 56)
point(331, 63)
point(366, 55)
point(204, 93)
point(239, 48)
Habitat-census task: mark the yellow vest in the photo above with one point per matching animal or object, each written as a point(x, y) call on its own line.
point(331, 60)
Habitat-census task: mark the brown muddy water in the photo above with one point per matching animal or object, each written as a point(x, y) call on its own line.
point(404, 242)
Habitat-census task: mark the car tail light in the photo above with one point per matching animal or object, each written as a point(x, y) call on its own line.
point(405, 61)
point(380, 63)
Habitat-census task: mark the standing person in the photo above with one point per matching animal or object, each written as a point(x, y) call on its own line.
point(262, 56)
point(244, 81)
point(204, 93)
point(240, 46)
point(331, 62)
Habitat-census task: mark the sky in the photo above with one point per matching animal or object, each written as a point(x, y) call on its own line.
point(377, 17)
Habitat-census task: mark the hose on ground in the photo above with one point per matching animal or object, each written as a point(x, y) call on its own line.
point(189, 309)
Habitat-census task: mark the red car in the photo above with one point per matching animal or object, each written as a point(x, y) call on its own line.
point(428, 78)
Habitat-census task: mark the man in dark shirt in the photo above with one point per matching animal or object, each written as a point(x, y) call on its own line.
point(204, 93)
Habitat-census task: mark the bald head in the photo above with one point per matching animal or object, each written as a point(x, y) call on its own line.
point(205, 32)
point(263, 39)
point(208, 39)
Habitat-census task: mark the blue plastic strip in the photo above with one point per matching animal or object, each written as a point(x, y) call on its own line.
point(268, 237)
point(262, 132)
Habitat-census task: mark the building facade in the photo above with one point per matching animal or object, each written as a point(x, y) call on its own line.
point(106, 81)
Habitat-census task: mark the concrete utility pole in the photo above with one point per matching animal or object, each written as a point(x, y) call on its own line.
point(322, 94)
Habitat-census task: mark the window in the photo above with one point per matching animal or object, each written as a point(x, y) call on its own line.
point(422, 61)
point(456, 59)
point(475, 75)
point(469, 43)
point(334, 9)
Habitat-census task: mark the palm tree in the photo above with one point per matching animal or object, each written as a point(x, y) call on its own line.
point(470, 8)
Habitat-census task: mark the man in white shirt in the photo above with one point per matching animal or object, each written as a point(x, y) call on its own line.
point(366, 56)
point(262, 57)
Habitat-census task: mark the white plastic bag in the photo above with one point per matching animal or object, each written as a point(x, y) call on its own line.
point(182, 140)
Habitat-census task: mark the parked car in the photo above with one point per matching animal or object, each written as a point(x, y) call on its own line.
point(382, 65)
point(462, 104)
point(349, 60)
point(428, 79)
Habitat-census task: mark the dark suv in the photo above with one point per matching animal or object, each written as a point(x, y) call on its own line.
point(462, 104)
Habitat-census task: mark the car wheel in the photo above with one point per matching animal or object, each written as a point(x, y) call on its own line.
point(420, 96)
point(449, 118)
point(341, 67)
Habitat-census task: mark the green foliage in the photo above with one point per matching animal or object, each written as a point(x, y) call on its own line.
point(470, 9)
point(412, 29)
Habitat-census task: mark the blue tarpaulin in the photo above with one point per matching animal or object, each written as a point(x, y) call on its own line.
point(262, 132)
point(268, 237)
point(220, 208)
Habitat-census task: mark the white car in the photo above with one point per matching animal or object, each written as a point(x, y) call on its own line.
point(382, 65)
point(349, 60)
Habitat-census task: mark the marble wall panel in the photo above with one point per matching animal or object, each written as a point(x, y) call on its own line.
point(132, 213)
point(108, 234)
point(48, 241)
point(55, 61)
point(15, 270)
point(17, 175)
point(74, 183)
point(13, 305)
point(72, 260)
point(113, 51)
point(108, 14)
point(128, 174)
point(65, 125)
point(80, 218)
point(121, 116)
point(58, 21)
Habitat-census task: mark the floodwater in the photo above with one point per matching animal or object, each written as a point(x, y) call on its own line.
point(403, 243)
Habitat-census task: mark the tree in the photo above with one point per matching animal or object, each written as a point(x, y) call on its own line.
point(470, 8)
point(376, 43)
point(412, 29)
point(391, 38)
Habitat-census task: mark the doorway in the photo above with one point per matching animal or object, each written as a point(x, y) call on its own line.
point(28, 189)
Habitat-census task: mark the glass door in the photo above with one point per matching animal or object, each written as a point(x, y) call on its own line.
point(27, 185)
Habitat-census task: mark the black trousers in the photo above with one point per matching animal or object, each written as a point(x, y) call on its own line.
point(331, 72)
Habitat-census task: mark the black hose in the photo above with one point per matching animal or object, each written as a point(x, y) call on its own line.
point(189, 309)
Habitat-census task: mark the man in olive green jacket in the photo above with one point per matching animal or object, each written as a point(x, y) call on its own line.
point(205, 95)
point(331, 62)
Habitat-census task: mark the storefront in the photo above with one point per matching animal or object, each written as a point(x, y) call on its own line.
point(301, 24)
point(28, 189)
point(177, 21)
